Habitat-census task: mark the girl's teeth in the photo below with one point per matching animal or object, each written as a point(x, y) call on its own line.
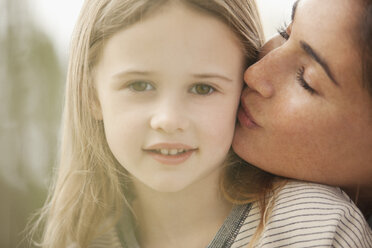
point(171, 151)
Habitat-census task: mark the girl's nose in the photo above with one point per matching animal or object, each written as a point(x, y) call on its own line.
point(169, 118)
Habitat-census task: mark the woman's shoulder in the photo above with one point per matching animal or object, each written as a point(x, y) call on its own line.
point(307, 192)
point(315, 198)
point(317, 214)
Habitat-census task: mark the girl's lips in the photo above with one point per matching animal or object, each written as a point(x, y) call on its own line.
point(170, 153)
point(170, 159)
point(168, 146)
point(245, 119)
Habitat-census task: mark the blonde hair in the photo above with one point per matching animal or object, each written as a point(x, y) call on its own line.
point(242, 183)
point(90, 184)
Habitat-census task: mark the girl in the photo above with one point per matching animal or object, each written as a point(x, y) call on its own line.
point(152, 92)
point(151, 98)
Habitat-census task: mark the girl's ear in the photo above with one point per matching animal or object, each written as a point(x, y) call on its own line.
point(96, 110)
point(95, 107)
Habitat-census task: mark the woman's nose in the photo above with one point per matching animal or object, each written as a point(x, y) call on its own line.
point(275, 42)
point(257, 78)
point(274, 65)
point(169, 117)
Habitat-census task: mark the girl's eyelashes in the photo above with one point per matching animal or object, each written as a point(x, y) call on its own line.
point(302, 81)
point(202, 89)
point(140, 86)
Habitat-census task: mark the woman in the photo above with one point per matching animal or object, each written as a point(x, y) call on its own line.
point(307, 110)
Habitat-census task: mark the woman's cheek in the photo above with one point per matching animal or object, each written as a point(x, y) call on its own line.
point(293, 116)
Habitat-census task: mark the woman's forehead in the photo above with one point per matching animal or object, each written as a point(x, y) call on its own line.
point(329, 27)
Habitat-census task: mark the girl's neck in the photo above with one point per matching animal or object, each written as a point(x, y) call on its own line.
point(189, 217)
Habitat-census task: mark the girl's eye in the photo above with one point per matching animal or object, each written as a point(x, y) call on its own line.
point(302, 81)
point(140, 86)
point(282, 31)
point(202, 89)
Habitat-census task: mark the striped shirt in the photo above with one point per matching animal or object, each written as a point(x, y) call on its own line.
point(309, 215)
point(303, 215)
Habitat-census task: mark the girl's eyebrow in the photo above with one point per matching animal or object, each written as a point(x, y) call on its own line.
point(132, 73)
point(211, 75)
point(125, 73)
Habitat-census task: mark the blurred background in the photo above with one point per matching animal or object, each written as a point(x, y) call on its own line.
point(34, 40)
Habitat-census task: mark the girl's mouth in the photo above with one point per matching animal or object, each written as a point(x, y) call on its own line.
point(170, 154)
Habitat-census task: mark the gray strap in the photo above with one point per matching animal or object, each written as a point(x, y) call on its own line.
point(225, 237)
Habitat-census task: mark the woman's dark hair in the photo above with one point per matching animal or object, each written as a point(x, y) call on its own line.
point(365, 202)
point(366, 44)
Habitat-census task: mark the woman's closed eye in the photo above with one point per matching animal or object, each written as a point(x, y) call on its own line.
point(202, 89)
point(283, 32)
point(301, 80)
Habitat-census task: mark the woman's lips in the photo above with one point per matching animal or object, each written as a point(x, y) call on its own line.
point(170, 154)
point(245, 118)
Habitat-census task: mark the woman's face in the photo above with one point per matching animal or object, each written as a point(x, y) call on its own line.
point(305, 113)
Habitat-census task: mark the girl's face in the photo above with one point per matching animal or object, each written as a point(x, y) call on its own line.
point(169, 88)
point(305, 113)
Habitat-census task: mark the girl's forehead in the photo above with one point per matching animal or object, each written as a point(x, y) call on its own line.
point(179, 40)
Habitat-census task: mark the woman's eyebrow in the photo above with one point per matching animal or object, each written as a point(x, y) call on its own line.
point(314, 55)
point(294, 8)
